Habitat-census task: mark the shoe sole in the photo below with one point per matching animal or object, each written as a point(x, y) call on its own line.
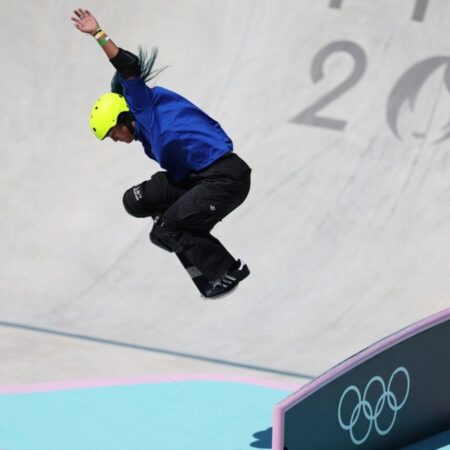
point(220, 296)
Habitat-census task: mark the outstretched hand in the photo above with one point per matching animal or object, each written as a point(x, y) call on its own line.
point(85, 21)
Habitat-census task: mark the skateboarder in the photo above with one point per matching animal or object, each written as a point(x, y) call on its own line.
point(203, 179)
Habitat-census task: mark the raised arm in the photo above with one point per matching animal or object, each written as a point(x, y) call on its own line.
point(88, 24)
point(125, 62)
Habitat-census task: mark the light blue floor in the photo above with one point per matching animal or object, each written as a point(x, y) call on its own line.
point(194, 415)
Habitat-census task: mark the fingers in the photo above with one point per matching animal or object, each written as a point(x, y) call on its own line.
point(81, 14)
point(84, 20)
point(78, 17)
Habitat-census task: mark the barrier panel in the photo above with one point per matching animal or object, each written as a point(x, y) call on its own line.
point(390, 395)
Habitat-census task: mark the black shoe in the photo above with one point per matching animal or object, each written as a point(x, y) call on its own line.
point(228, 282)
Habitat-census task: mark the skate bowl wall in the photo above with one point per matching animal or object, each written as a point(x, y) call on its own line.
point(390, 395)
point(339, 107)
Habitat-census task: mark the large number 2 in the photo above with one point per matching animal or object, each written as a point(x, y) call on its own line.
point(309, 115)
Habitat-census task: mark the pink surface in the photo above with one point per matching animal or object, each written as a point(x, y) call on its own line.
point(345, 366)
point(109, 382)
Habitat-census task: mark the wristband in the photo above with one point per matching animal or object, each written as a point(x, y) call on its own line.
point(101, 37)
point(103, 41)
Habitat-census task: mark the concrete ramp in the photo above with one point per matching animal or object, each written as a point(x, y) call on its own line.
point(342, 110)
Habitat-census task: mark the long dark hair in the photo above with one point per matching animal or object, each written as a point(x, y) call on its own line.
point(146, 63)
point(146, 72)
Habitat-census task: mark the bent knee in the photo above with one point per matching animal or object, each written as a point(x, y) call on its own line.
point(133, 202)
point(165, 238)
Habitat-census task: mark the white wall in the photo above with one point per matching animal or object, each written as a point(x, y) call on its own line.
point(346, 231)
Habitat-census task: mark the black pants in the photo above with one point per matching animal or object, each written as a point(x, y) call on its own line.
point(188, 210)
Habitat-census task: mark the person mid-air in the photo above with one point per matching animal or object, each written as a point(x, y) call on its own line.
point(203, 179)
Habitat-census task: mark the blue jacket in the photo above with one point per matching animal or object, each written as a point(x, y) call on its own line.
point(174, 132)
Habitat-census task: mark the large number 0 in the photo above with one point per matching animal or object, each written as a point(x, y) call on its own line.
point(309, 116)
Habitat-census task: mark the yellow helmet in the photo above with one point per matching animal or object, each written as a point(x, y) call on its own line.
point(105, 112)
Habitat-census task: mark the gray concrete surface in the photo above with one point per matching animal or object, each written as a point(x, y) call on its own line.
point(346, 229)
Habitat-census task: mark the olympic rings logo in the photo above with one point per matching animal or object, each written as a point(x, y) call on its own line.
point(370, 412)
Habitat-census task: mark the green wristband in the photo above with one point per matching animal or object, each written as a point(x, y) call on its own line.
point(103, 41)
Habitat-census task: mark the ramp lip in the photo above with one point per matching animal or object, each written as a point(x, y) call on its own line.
point(348, 364)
